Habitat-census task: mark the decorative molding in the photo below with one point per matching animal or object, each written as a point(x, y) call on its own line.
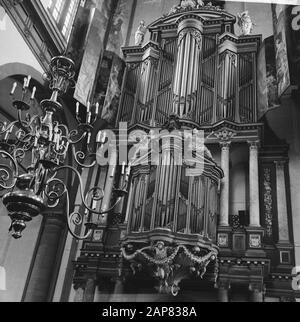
point(255, 241)
point(224, 135)
point(223, 240)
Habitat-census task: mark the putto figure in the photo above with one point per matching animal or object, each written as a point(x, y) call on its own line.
point(140, 34)
point(245, 23)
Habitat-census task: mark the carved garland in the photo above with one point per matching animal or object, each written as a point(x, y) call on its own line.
point(211, 256)
point(268, 202)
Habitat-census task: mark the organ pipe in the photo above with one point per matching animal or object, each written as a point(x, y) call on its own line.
point(188, 67)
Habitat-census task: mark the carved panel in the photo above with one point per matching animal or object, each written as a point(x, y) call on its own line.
point(268, 202)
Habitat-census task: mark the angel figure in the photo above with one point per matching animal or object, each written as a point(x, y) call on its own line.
point(245, 23)
point(188, 4)
point(200, 3)
point(140, 33)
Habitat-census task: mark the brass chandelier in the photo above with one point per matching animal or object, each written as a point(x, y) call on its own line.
point(34, 154)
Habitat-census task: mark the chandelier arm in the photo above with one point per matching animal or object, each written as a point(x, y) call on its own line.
point(92, 211)
point(32, 120)
point(9, 128)
point(73, 133)
point(53, 195)
point(81, 155)
point(27, 137)
point(70, 219)
point(16, 171)
point(23, 124)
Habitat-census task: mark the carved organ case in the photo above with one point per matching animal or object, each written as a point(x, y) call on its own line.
point(193, 66)
point(194, 73)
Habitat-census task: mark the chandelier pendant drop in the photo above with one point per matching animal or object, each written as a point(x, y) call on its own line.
point(34, 153)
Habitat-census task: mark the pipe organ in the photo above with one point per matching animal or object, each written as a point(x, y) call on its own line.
point(193, 67)
point(193, 71)
point(227, 224)
point(164, 197)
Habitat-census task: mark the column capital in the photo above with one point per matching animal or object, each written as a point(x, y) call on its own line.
point(79, 285)
point(223, 285)
point(254, 145)
point(280, 164)
point(225, 144)
point(257, 287)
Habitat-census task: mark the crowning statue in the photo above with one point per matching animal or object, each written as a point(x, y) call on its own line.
point(187, 4)
point(245, 23)
point(140, 34)
point(191, 3)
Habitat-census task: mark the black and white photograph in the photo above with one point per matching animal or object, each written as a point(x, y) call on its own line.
point(149, 154)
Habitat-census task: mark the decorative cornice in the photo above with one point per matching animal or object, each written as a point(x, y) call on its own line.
point(240, 40)
point(167, 21)
point(140, 50)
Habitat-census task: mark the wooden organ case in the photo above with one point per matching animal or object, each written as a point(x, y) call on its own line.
point(193, 74)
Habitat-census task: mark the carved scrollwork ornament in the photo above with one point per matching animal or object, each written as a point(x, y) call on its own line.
point(166, 263)
point(195, 34)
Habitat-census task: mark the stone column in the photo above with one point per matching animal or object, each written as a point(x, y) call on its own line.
point(254, 185)
point(225, 162)
point(118, 290)
point(257, 296)
point(223, 296)
point(284, 235)
point(256, 293)
point(223, 291)
point(79, 293)
point(44, 264)
point(119, 286)
point(89, 292)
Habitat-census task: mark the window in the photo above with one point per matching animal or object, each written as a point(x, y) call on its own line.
point(63, 12)
point(66, 30)
point(55, 8)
